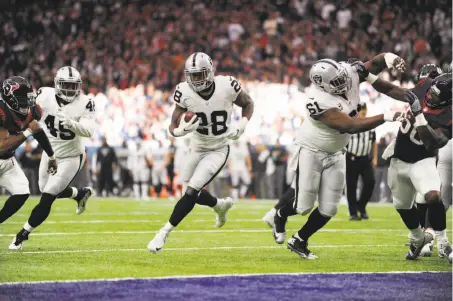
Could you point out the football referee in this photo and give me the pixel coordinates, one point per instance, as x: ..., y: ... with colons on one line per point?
x: 361, y: 154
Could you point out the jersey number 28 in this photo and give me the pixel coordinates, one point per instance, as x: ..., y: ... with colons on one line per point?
x: 60, y: 132
x: 218, y: 120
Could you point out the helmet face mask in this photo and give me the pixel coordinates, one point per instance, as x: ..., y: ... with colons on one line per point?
x: 439, y: 94
x: 199, y: 71
x: 341, y: 83
x: 68, y: 84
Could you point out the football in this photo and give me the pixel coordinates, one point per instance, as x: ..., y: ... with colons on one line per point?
x: 189, y: 116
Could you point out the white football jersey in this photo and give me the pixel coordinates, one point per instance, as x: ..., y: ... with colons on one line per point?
x: 214, y: 113
x: 138, y: 155
x: 65, y: 142
x: 314, y: 134
x: 445, y: 153
x: 238, y: 155
x: 159, y: 157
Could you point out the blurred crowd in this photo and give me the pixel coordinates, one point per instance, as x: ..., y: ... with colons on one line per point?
x: 131, y: 54
x: 123, y: 43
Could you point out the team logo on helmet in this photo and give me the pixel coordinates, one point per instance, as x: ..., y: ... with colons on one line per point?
x: 317, y: 79
x: 9, y: 87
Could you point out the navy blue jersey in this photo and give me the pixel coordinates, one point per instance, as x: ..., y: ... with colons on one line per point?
x: 16, y: 123
x: 409, y: 147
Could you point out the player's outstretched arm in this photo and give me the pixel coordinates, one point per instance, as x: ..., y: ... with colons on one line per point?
x: 341, y: 122
x: 383, y: 86
x: 385, y: 60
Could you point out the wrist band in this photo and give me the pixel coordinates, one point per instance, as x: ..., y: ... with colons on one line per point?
x: 52, y: 157
x: 27, y: 133
x: 371, y: 78
x: 420, y: 120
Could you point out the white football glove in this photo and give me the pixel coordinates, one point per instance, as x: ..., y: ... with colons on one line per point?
x: 237, y: 130
x: 394, y: 62
x: 397, y: 116
x: 65, y: 120
x: 184, y: 127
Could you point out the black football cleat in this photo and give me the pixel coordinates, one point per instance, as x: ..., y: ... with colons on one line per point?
x: 279, y: 229
x: 301, y: 248
x: 364, y: 215
x: 414, y: 250
x: 355, y: 218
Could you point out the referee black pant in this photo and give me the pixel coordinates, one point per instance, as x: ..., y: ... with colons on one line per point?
x: 355, y: 167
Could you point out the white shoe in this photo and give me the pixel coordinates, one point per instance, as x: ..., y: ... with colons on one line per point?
x: 158, y: 241
x: 444, y: 248
x: 268, y: 218
x: 221, y: 209
x: 82, y: 203
x: 16, y: 247
x: 427, y: 250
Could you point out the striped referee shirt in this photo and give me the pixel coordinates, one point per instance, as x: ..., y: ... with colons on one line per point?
x: 361, y: 144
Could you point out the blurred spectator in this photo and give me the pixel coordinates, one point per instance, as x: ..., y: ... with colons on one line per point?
x: 380, y: 174
x: 29, y: 160
x: 279, y: 156
x: 106, y: 162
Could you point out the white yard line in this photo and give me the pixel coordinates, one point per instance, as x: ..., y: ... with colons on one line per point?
x: 214, y: 276
x: 206, y: 231
x: 132, y: 221
x: 186, y: 249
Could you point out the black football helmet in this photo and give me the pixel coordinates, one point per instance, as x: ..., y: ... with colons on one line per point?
x: 440, y: 93
x: 429, y: 70
x: 18, y: 94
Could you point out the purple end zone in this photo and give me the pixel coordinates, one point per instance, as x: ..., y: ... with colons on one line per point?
x: 313, y: 287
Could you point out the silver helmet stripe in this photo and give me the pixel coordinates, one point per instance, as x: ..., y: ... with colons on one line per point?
x: 328, y: 62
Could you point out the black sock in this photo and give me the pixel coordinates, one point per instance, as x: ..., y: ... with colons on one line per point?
x: 12, y: 205
x: 286, y: 198
x: 42, y: 210
x: 315, y: 222
x: 66, y: 194
x: 421, y: 210
x: 206, y: 199
x: 437, y: 216
x: 158, y: 188
x: 286, y: 211
x: 409, y: 217
x: 182, y: 208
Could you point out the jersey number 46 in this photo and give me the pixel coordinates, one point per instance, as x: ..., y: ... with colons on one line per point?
x: 60, y: 132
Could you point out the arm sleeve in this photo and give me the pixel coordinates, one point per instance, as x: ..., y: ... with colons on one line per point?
x: 44, y: 142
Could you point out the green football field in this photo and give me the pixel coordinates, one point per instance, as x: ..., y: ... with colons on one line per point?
x: 109, y: 241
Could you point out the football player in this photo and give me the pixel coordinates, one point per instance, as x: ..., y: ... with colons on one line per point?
x: 68, y: 117
x: 240, y: 166
x: 139, y: 162
x: 376, y: 65
x: 319, y: 160
x: 212, y: 98
x: 413, y: 164
x: 19, y: 116
x: 427, y: 71
x: 160, y: 159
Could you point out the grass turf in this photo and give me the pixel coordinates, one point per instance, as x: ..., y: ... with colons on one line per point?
x: 109, y: 241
